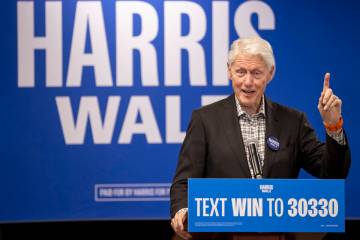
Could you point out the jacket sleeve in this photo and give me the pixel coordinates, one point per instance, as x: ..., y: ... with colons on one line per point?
x: 191, y: 162
x: 323, y: 160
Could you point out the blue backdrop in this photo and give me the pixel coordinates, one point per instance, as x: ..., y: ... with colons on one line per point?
x: 95, y: 96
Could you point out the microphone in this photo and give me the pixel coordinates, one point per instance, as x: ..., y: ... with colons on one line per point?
x: 254, y: 158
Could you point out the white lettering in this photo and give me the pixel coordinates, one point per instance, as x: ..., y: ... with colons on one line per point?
x: 173, y: 120
x: 209, y: 99
x: 89, y: 16
x: 28, y: 43
x: 203, y: 202
x: 242, y: 18
x: 252, y: 207
x: 175, y: 42
x: 220, y: 38
x: 198, y: 207
x: 126, y: 42
x: 238, y: 206
x: 74, y: 131
x: 140, y: 105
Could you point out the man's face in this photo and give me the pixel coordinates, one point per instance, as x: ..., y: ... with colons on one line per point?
x: 249, y: 75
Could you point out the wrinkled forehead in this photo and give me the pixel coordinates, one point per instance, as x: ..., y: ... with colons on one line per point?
x: 249, y: 61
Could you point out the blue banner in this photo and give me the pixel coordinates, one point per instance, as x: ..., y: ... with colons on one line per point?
x: 96, y: 96
x: 267, y: 205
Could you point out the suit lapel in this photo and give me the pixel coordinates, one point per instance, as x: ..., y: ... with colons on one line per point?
x: 233, y: 132
x: 273, y: 129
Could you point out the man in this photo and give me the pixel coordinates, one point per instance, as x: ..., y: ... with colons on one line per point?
x: 217, y: 134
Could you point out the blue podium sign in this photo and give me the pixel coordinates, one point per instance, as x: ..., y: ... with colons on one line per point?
x: 267, y: 205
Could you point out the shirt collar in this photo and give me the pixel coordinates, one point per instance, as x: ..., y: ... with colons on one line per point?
x: 241, y: 112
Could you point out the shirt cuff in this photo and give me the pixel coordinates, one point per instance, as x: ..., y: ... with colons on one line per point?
x: 337, y: 136
x: 182, y: 210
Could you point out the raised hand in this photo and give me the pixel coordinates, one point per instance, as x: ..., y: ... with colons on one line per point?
x: 329, y: 104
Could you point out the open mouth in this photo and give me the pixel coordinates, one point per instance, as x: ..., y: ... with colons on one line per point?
x: 248, y: 92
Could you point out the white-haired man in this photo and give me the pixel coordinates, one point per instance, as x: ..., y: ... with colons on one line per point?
x: 214, y: 144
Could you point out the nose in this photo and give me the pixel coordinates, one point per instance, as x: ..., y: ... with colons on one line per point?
x: 248, y: 81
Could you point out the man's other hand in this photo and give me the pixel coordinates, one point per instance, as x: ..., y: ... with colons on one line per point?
x: 178, y: 223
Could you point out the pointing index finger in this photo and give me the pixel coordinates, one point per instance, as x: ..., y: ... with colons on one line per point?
x: 326, y: 81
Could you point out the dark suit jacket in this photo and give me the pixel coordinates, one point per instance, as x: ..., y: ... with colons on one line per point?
x: 214, y: 148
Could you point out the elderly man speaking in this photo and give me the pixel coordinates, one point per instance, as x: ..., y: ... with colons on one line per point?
x: 217, y: 135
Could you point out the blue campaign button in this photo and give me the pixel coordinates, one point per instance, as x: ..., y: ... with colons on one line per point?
x: 273, y: 143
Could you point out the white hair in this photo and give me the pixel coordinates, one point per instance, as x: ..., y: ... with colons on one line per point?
x: 252, y: 46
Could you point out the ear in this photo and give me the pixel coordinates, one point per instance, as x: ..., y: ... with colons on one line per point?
x: 272, y: 72
x: 228, y: 72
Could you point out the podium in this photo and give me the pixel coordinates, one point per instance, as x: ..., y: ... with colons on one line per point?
x: 265, y: 205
